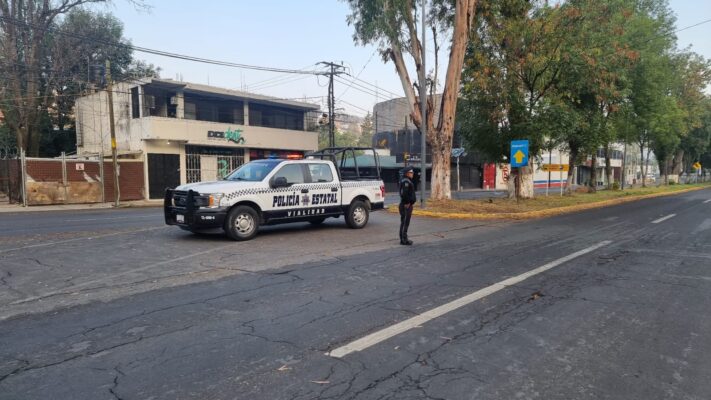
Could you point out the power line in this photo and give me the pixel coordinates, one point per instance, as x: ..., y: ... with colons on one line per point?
x: 17, y: 22
x: 291, y: 79
x: 377, y: 87
x: 692, y: 26
x: 394, y: 124
x: 361, y: 71
x: 365, y: 89
x: 276, y: 78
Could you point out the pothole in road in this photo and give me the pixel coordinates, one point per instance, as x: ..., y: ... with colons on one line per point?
x: 535, y: 296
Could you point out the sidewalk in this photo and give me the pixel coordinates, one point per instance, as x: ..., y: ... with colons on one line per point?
x: 465, y: 194
x: 15, y: 208
x: 390, y: 198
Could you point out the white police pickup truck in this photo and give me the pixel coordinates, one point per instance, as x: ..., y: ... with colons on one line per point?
x: 328, y: 183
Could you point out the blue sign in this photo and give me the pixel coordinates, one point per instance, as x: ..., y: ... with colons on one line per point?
x: 519, y: 153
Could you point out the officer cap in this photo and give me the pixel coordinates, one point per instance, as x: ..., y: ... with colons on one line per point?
x: 407, y: 169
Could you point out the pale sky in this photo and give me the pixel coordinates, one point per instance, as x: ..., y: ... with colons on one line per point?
x: 296, y: 34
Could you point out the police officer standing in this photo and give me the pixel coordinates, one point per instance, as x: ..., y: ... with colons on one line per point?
x: 407, y: 202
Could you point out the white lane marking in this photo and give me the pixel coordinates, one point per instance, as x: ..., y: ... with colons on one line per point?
x: 83, y: 285
x: 81, y: 238
x: 384, y: 334
x: 707, y: 201
x: 109, y: 218
x: 662, y: 219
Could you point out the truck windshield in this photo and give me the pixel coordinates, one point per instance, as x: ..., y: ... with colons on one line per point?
x: 254, y: 171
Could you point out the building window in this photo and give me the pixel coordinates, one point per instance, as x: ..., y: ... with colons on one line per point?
x: 275, y: 117
x: 214, y: 109
x: 190, y: 111
x: 135, y: 105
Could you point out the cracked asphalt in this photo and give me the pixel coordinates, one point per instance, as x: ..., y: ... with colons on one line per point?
x: 111, y: 304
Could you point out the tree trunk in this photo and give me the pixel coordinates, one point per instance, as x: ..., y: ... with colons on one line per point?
x: 442, y: 141
x: 677, y: 162
x: 593, y: 173
x: 571, y: 169
x: 646, y: 168
x: 608, y: 168
x: 511, y: 185
x: 441, y: 172
x: 439, y: 134
x: 526, y: 186
x: 642, y: 165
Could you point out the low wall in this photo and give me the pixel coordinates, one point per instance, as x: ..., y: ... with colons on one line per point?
x: 45, y: 181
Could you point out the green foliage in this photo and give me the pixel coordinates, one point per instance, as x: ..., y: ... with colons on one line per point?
x: 511, y: 67
x: 82, y: 59
x: 367, y: 130
x: 60, y: 53
x: 584, y: 74
x: 7, y: 137
x: 342, y: 139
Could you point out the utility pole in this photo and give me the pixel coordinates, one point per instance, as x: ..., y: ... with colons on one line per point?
x: 335, y: 70
x: 624, y: 171
x: 331, y: 106
x: 112, y: 129
x: 407, y: 142
x: 423, y: 111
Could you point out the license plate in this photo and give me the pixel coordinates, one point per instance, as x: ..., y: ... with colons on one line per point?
x: 180, y: 218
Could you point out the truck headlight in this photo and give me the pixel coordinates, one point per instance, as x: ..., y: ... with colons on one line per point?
x: 214, y: 200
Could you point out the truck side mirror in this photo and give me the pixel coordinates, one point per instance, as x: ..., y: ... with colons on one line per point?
x: 279, y: 181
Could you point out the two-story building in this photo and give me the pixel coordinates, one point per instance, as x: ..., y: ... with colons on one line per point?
x: 187, y: 132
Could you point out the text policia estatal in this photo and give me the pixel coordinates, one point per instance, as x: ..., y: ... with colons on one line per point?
x: 294, y: 199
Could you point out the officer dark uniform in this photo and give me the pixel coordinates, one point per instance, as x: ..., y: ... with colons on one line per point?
x: 407, y: 201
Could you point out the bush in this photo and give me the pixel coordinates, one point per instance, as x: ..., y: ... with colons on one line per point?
x: 616, y: 185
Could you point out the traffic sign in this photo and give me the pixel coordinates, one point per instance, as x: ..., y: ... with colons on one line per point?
x: 519, y: 153
x: 555, y: 167
x: 697, y: 165
x: 459, y: 152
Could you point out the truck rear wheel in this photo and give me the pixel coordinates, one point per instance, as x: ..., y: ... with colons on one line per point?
x: 357, y: 216
x: 242, y: 223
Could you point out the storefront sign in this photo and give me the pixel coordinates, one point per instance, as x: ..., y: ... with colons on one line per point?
x: 555, y: 167
x: 231, y: 135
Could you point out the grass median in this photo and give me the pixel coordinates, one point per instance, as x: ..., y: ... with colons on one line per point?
x: 542, y: 205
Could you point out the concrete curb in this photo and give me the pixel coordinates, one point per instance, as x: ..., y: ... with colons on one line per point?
x: 549, y: 212
x: 16, y: 208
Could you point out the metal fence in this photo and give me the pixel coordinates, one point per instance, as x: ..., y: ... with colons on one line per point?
x: 201, y: 167
x: 11, y: 172
x: 695, y: 177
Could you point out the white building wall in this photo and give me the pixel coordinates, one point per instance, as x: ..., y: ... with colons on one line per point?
x: 131, y: 133
x: 137, y: 137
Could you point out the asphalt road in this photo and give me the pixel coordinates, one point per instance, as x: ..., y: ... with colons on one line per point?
x: 606, y: 304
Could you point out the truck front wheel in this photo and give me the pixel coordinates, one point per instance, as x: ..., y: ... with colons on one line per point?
x: 242, y: 223
x: 357, y: 216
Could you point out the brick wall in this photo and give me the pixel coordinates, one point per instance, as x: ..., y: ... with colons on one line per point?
x: 49, y: 171
x: 131, y: 183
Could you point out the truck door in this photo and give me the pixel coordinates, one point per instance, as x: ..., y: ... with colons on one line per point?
x: 324, y: 190
x: 288, y: 202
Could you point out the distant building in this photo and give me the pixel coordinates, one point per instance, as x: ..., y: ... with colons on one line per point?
x: 395, y: 132
x: 349, y: 124
x: 187, y: 132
